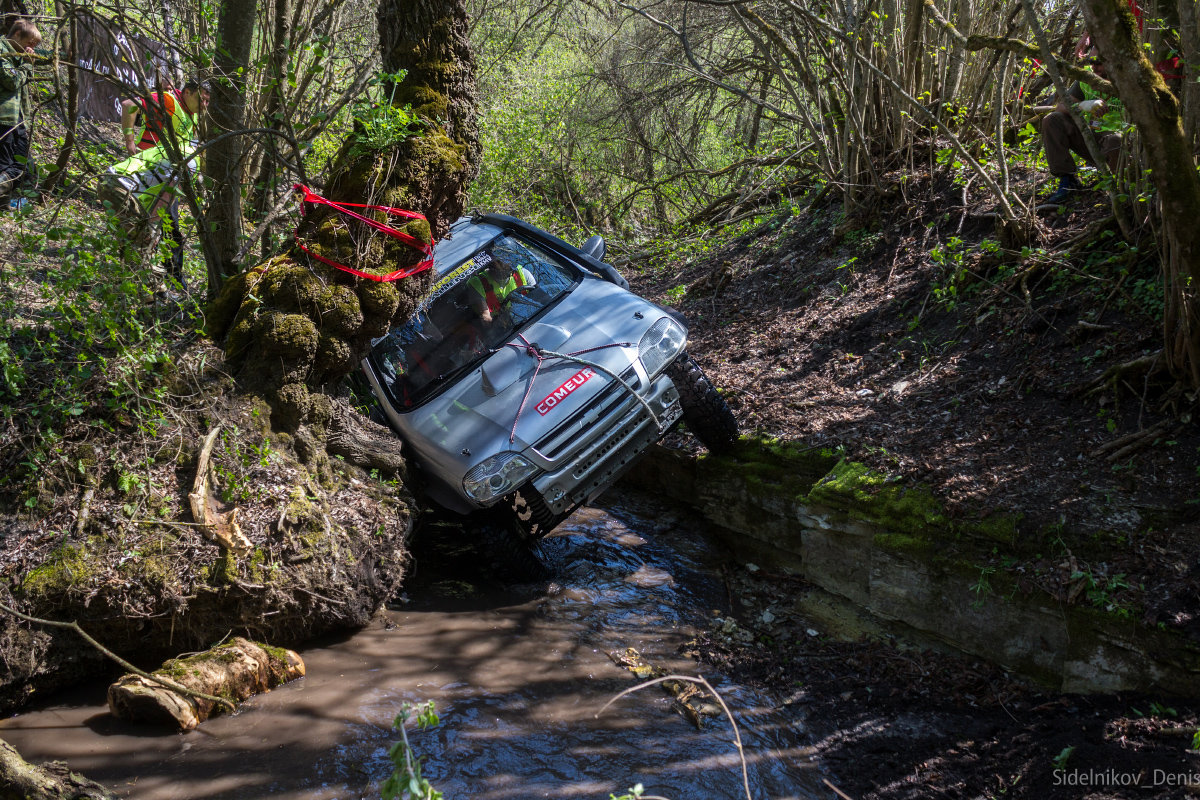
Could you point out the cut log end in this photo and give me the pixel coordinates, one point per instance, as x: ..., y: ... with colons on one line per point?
x: 233, y: 672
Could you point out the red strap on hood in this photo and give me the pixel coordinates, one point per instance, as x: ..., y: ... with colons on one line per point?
x: 315, y: 199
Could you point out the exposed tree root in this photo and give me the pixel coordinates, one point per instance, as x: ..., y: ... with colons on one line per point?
x: 174, y: 686
x: 20, y: 780
x: 1145, y: 367
x: 219, y: 526
x: 1125, y: 446
x: 362, y: 442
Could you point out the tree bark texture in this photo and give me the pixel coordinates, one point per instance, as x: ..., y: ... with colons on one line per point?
x: 1189, y: 42
x: 234, y: 671
x: 20, y: 780
x: 294, y: 324
x: 1155, y: 111
x: 227, y: 112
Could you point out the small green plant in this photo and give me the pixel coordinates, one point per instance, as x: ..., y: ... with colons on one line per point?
x: 380, y: 122
x: 1159, y: 710
x: 982, y: 586
x: 1060, y: 760
x: 406, y: 781
x: 676, y: 294
x: 1100, y: 589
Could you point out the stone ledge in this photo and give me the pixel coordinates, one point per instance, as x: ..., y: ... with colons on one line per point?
x: 887, y: 559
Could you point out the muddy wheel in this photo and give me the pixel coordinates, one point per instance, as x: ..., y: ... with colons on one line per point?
x: 704, y: 410
x: 532, y: 514
x: 512, y: 553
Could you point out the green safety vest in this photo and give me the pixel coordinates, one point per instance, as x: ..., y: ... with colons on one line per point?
x: 148, y: 173
x: 496, y: 294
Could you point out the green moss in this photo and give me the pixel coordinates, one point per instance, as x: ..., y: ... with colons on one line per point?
x: 903, y: 543
x: 853, y: 487
x: 224, y: 570
x: 65, y: 567
x: 290, y: 336
x: 769, y: 466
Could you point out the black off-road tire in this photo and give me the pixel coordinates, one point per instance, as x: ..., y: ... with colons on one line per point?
x: 704, y: 410
x: 532, y: 514
x: 512, y: 553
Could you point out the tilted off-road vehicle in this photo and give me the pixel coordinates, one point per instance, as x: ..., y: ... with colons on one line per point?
x: 531, y: 378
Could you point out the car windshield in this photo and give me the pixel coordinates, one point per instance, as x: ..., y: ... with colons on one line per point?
x: 474, y: 309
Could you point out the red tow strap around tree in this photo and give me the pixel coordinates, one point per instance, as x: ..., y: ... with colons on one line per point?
x: 315, y: 199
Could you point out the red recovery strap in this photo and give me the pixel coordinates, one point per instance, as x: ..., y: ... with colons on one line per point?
x: 411, y: 241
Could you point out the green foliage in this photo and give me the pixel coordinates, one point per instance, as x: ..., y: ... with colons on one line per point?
x: 406, y: 781
x: 379, y: 123
x: 982, y: 587
x: 1060, y: 760
x: 675, y: 294
x: 1102, y: 590
x: 85, y: 342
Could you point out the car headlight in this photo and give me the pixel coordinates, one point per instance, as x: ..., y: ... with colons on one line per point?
x: 497, y: 476
x: 659, y: 345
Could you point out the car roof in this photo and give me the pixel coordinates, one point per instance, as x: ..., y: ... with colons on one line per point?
x: 461, y: 242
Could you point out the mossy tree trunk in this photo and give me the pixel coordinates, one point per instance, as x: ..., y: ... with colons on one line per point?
x: 294, y: 325
x: 1156, y: 112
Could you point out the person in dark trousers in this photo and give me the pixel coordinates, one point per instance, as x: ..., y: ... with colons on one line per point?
x: 16, y: 75
x: 1061, y: 136
x: 144, y: 121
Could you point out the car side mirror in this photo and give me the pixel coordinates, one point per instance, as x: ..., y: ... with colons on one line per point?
x: 594, y: 247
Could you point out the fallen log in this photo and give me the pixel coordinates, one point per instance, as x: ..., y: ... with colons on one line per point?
x: 20, y: 780
x: 233, y: 671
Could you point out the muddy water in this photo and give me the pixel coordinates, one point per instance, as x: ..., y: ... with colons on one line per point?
x: 518, y: 675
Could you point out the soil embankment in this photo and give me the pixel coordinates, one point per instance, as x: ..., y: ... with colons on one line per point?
x: 107, y: 540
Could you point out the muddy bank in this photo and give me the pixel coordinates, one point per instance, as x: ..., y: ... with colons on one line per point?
x: 518, y: 673
x: 106, y: 538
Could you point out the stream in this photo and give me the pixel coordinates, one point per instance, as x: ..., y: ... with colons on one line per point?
x: 519, y: 676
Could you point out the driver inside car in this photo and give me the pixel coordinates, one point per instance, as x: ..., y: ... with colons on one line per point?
x: 492, y: 288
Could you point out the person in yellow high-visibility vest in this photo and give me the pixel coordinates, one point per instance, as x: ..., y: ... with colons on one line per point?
x: 490, y: 289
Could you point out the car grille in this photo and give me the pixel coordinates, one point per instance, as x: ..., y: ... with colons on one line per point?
x: 592, y: 421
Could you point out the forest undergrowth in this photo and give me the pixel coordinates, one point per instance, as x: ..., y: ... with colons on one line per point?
x: 1005, y: 381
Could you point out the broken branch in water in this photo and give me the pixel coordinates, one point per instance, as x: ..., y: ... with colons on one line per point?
x: 699, y: 680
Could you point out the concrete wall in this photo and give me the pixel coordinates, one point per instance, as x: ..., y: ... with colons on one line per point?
x: 882, y: 560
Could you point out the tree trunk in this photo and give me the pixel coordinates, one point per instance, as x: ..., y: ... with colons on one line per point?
x: 227, y: 112
x: 55, y: 180
x: 1155, y: 111
x: 1189, y: 41
x: 293, y: 324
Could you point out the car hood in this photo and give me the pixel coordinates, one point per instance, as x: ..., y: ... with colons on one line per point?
x: 522, y: 392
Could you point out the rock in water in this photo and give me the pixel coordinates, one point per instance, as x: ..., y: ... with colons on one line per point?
x: 234, y: 671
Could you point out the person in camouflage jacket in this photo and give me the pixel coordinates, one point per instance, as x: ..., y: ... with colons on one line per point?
x: 16, y: 76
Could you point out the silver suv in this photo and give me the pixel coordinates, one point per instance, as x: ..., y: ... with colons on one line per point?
x: 531, y: 377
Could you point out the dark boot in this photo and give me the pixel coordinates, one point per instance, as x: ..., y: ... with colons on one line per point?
x: 1068, y: 185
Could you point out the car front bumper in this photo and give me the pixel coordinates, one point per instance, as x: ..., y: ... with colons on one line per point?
x: 589, y: 452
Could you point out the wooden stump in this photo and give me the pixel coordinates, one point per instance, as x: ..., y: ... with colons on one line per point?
x: 233, y: 671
